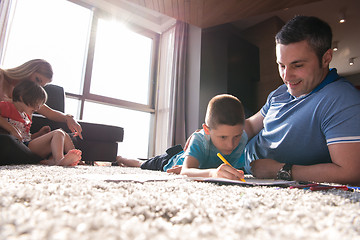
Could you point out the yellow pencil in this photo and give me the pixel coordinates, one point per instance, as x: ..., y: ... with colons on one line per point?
x: 226, y: 162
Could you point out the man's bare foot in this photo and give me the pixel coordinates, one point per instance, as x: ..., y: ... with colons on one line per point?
x: 127, y: 162
x: 72, y: 158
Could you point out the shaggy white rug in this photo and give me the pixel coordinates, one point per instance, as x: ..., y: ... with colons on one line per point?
x: 42, y: 202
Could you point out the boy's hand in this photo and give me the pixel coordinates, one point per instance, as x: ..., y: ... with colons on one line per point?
x: 175, y: 169
x: 226, y: 171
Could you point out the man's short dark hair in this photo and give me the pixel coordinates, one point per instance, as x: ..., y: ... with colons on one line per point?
x: 317, y: 32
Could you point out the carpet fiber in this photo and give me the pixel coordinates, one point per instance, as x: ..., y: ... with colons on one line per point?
x: 42, y: 202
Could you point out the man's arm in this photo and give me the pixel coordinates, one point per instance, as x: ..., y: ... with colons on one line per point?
x: 344, y: 169
x: 345, y: 166
x: 254, y: 124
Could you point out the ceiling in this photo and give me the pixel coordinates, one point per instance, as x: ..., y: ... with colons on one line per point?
x: 209, y: 13
x: 247, y: 13
x: 346, y: 34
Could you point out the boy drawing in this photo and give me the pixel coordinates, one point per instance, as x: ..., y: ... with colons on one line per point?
x: 223, y: 132
x: 28, y: 97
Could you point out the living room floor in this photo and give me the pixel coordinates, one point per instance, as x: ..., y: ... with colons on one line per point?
x: 52, y: 202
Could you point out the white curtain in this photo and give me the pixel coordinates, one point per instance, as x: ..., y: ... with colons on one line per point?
x: 170, y: 115
x: 177, y: 133
x: 5, y: 12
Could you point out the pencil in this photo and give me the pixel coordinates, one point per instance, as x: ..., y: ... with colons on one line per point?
x: 226, y: 162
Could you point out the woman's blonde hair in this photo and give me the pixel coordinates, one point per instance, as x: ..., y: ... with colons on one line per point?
x: 25, y: 70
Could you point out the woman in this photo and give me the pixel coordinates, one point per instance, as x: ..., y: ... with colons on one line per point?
x: 39, y: 71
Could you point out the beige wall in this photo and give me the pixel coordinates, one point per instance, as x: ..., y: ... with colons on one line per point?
x: 263, y: 36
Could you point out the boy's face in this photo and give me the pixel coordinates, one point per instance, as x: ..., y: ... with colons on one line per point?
x: 28, y: 109
x: 225, y: 137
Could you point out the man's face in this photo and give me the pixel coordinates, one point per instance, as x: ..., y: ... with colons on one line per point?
x: 225, y: 137
x: 299, y: 67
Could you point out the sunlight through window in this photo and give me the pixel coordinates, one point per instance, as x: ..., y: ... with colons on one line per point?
x: 136, y: 126
x: 43, y: 32
x: 121, y: 66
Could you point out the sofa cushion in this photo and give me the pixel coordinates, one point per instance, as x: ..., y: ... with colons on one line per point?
x: 97, y: 150
x: 13, y: 151
x: 56, y: 97
x: 91, y: 131
x: 100, y: 141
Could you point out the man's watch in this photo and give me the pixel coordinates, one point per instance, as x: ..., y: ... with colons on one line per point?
x: 285, y: 172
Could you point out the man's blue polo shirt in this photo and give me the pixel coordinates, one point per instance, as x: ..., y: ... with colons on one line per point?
x: 299, y: 130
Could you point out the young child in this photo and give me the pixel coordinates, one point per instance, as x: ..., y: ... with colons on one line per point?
x: 223, y: 132
x: 28, y: 97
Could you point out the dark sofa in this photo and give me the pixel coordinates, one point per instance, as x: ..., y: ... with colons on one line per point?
x: 100, y: 142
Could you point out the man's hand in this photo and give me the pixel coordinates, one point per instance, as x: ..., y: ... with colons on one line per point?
x: 226, y: 171
x: 265, y: 168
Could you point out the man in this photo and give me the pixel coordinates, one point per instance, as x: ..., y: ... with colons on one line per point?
x: 309, y: 128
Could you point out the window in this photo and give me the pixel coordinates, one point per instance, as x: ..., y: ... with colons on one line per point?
x: 122, y: 56
x: 108, y: 73
x: 60, y: 40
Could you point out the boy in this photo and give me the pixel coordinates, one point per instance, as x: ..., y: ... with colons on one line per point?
x: 223, y: 132
x: 28, y: 97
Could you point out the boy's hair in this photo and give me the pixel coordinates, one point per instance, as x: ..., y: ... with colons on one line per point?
x: 224, y: 109
x: 317, y: 33
x: 30, y: 93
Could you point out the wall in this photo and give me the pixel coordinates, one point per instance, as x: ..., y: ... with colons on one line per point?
x: 263, y: 36
x: 213, y: 71
x: 354, y: 79
x: 200, y: 92
x: 243, y: 72
x: 228, y: 63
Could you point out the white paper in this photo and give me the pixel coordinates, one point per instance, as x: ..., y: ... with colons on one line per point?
x: 249, y: 181
x: 141, y: 178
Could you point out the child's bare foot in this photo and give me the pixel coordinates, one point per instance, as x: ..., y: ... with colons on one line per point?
x: 72, y: 158
x: 127, y: 162
x: 44, y: 130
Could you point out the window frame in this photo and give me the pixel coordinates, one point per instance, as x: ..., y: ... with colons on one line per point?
x: 100, y: 11
x: 87, y: 96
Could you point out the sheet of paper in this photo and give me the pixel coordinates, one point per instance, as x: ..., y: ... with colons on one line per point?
x: 249, y: 181
x: 141, y: 178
